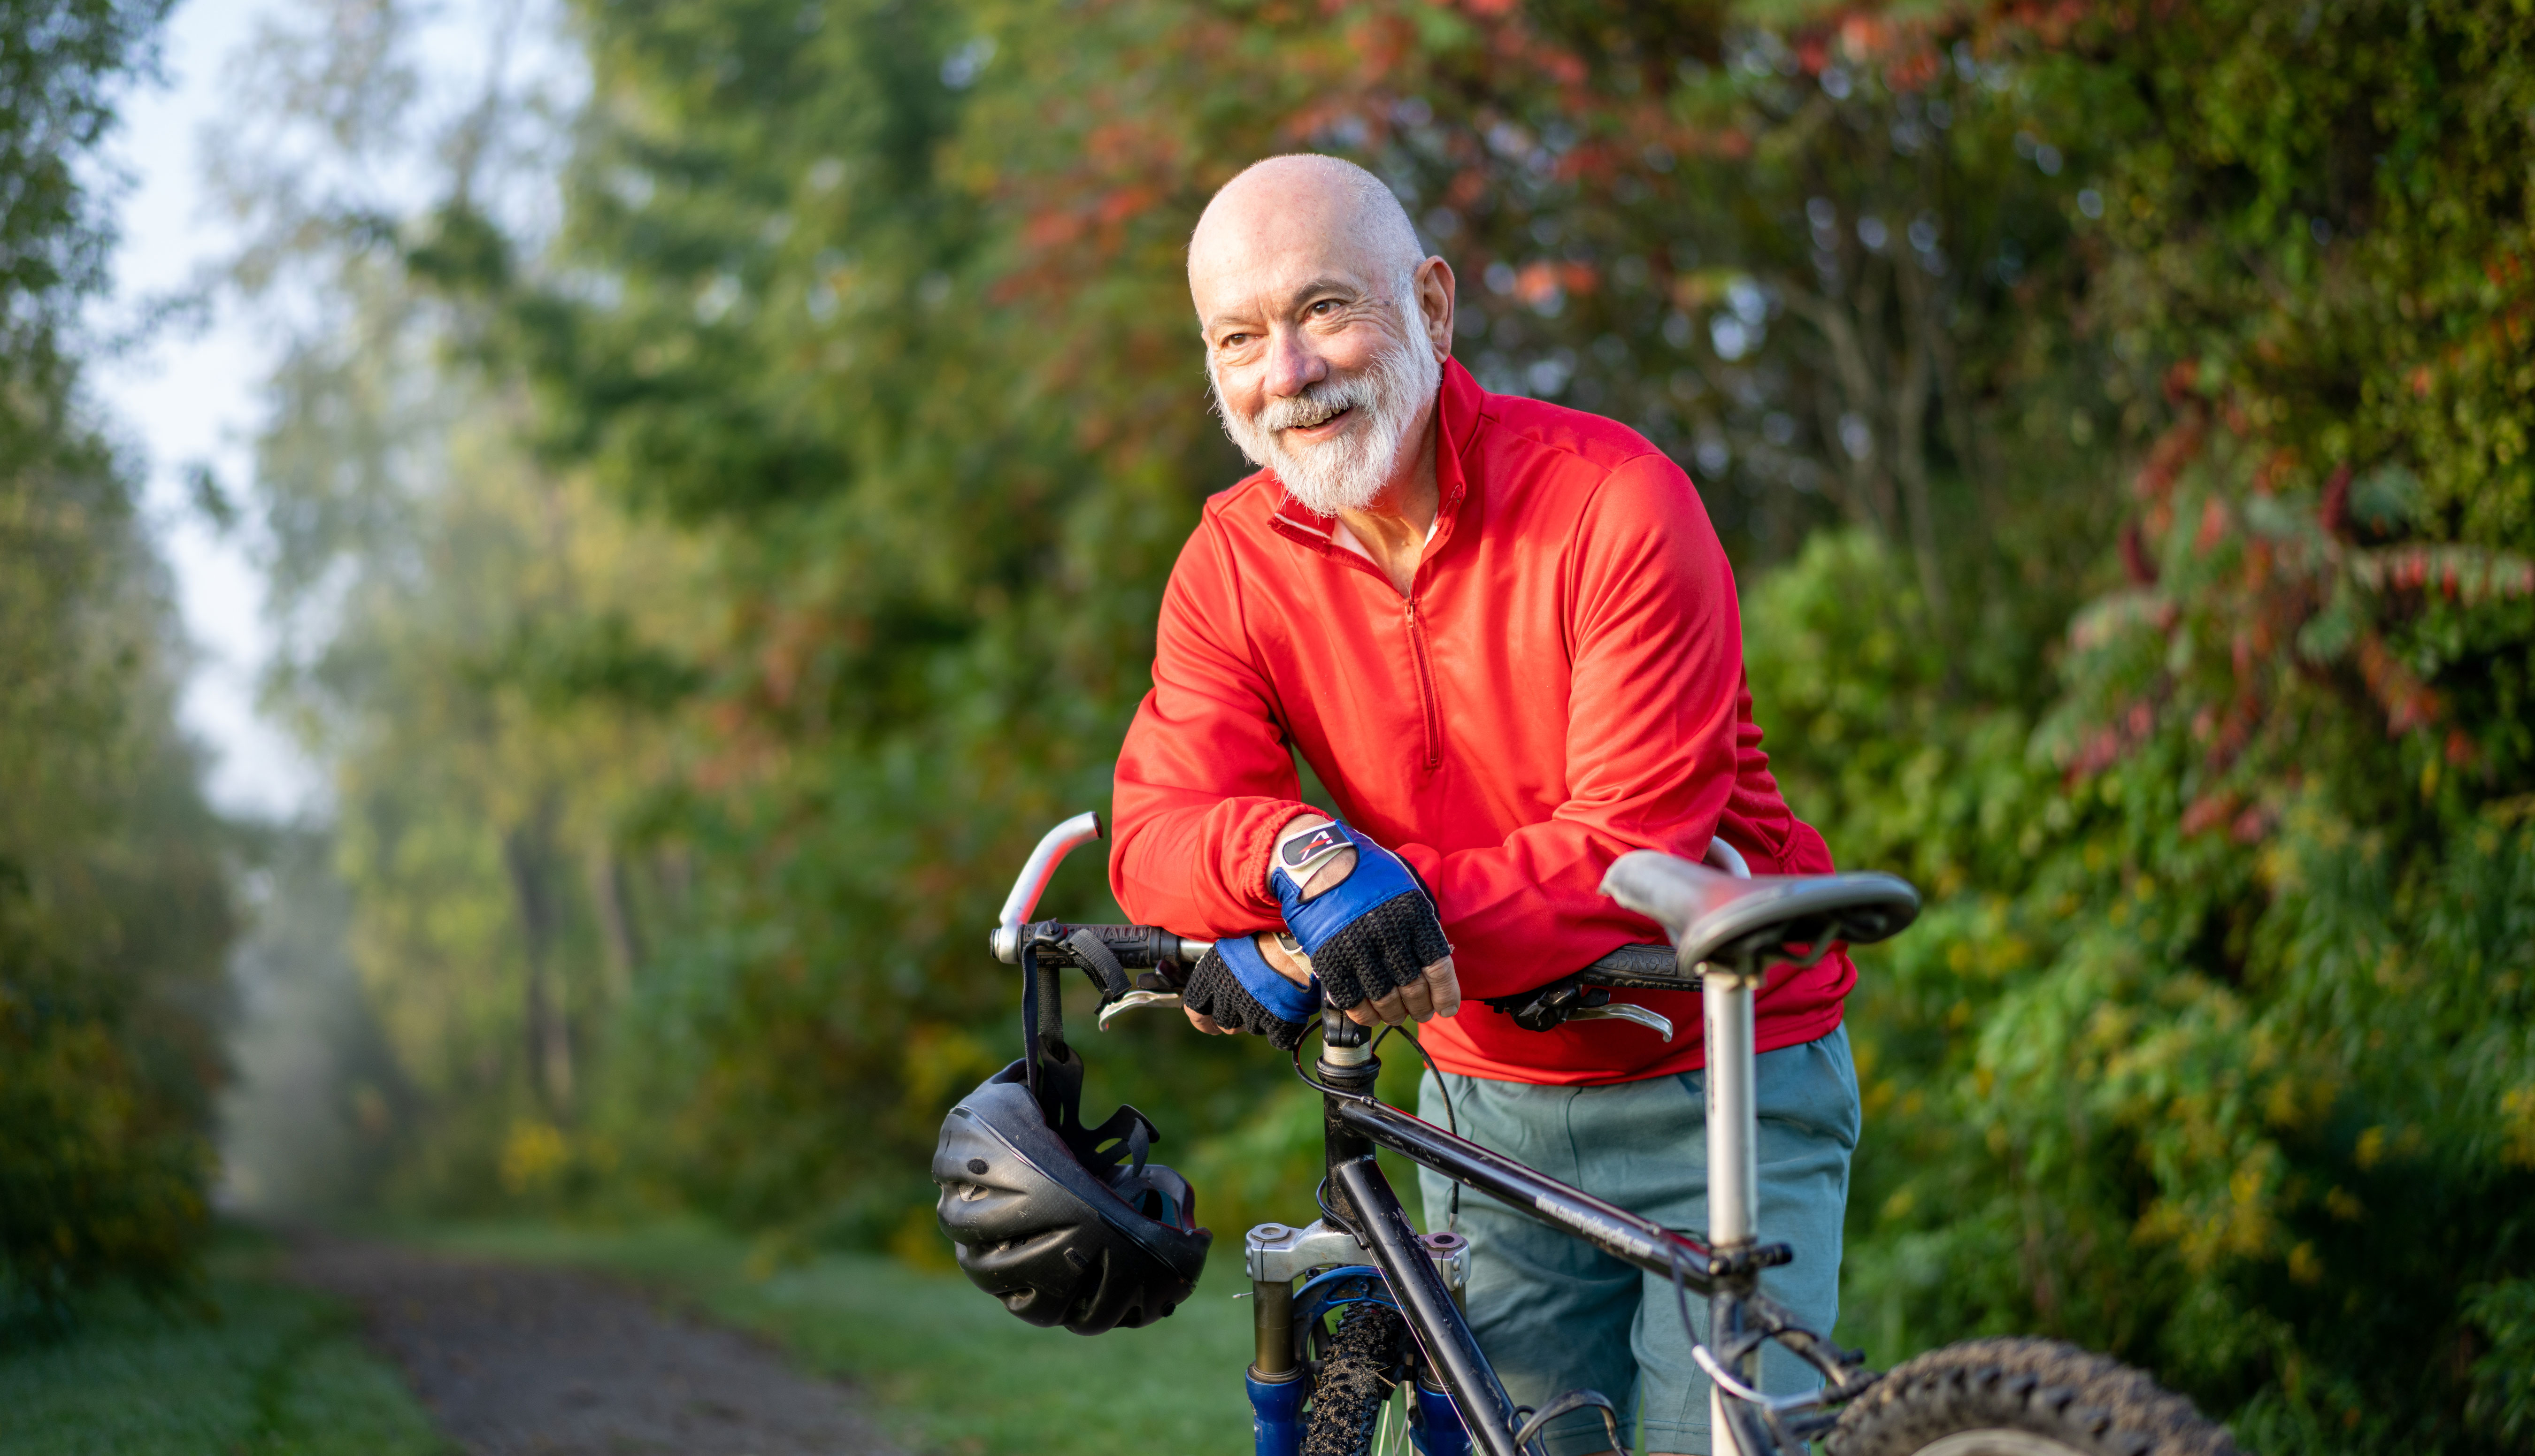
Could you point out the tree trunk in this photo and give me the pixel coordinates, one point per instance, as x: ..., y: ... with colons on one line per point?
x: 1910, y: 464
x: 615, y: 925
x: 526, y: 853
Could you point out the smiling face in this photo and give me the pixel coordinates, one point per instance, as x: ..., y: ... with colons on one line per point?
x: 1325, y: 329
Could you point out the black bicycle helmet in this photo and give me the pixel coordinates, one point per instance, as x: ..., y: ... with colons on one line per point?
x: 1065, y: 1224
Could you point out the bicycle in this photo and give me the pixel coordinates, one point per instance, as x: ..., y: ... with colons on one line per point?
x: 1357, y: 1306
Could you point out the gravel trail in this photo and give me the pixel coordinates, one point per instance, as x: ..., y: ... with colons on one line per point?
x: 514, y: 1360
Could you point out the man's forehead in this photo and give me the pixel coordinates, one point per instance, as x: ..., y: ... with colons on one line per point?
x: 1271, y: 267
x: 1274, y: 232
x: 1274, y: 278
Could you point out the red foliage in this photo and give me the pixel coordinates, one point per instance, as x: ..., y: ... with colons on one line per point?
x: 2208, y: 810
x: 1914, y: 71
x: 2181, y: 380
x: 2106, y: 744
x: 2334, y: 513
x: 1536, y: 284
x: 2255, y: 822
x: 2135, y: 558
x: 2177, y: 448
x: 2213, y: 525
x: 2408, y: 701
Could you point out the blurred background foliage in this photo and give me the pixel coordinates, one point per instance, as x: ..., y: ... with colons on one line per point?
x: 723, y: 530
x: 116, y: 891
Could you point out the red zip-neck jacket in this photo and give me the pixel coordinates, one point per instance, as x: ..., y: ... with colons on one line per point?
x: 1563, y: 685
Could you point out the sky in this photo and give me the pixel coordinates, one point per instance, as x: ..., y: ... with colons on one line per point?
x: 190, y: 394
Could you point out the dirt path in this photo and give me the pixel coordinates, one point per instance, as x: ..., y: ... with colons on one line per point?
x: 524, y: 1362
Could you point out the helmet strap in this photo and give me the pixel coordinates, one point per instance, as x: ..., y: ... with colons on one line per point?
x: 1043, y: 1039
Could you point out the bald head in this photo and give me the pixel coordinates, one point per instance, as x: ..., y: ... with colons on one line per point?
x: 1301, y: 214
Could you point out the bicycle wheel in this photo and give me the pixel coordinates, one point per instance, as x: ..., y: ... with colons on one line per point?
x: 1355, y: 1382
x: 2022, y: 1397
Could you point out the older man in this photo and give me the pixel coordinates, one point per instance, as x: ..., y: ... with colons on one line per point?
x: 1503, y: 635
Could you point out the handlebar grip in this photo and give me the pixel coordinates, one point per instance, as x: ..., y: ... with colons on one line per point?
x: 1138, y: 947
x: 1639, y: 962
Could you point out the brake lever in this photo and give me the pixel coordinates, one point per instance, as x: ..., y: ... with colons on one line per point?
x: 1135, y: 1000
x: 1154, y: 987
x: 1654, y: 1020
x: 1571, y: 998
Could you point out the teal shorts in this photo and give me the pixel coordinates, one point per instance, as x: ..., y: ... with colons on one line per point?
x: 1554, y: 1313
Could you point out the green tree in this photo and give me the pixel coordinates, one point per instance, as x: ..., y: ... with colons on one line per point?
x: 114, y: 891
x: 2215, y: 1054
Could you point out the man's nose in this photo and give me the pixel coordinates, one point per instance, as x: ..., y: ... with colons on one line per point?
x: 1294, y: 365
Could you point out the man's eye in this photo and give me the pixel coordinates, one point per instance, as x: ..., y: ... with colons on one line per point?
x: 1324, y: 307
x: 1232, y: 340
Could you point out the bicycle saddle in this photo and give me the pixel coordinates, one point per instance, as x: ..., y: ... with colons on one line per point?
x: 1715, y: 917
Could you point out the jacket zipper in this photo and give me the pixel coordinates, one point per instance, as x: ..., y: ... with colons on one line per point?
x: 1426, y: 706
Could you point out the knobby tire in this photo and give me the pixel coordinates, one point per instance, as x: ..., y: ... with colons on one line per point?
x: 1355, y: 1381
x: 2023, y: 1397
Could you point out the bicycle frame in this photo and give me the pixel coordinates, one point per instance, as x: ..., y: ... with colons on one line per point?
x: 1422, y: 1273
x: 1457, y: 1401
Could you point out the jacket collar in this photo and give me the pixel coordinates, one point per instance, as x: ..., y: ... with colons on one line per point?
x: 1457, y: 406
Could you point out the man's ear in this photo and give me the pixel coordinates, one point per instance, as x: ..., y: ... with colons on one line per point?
x: 1435, y: 288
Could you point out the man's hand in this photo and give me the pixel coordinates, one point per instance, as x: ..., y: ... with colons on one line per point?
x: 1364, y: 924
x: 1436, y: 991
x: 1234, y: 989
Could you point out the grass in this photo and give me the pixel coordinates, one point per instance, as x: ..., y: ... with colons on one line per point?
x: 947, y: 1369
x: 273, y: 1371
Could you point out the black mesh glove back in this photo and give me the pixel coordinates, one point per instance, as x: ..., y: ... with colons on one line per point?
x: 1065, y: 1224
x: 1234, y: 984
x: 1387, y: 947
x: 1371, y: 934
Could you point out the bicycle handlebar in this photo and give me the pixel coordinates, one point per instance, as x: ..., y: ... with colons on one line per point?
x: 1163, y: 958
x: 1159, y: 954
x: 1146, y: 947
x: 1137, y: 947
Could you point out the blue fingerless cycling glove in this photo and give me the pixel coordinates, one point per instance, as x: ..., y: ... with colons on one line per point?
x: 1234, y: 983
x: 1374, y: 932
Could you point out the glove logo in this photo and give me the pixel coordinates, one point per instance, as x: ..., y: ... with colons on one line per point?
x: 1299, y: 850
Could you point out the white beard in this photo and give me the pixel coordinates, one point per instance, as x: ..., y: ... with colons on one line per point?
x: 1350, y: 472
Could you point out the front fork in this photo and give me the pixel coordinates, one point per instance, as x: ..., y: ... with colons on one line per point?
x: 1424, y: 1275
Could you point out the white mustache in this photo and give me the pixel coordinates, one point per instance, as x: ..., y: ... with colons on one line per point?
x: 1317, y: 403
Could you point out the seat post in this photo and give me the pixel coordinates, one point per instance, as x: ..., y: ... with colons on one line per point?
x: 1733, y: 1126
x: 1733, y: 1162
x: 1733, y: 1123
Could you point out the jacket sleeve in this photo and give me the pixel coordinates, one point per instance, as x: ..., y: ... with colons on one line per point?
x: 1655, y: 699
x: 1205, y: 777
